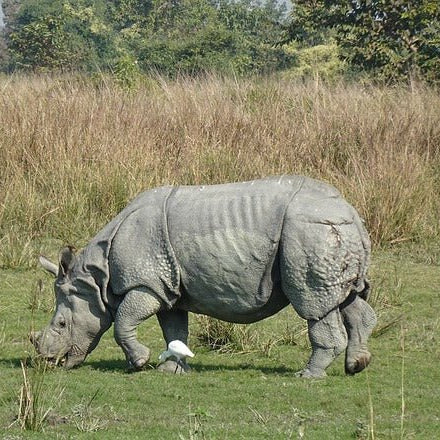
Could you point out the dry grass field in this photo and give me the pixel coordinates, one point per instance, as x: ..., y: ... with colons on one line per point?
x: 73, y: 151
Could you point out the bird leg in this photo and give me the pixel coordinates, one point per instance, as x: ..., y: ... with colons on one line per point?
x: 179, y: 363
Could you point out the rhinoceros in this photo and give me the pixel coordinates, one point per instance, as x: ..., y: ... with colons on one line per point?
x: 239, y: 252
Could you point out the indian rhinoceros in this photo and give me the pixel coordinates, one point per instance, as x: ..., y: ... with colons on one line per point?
x: 239, y: 252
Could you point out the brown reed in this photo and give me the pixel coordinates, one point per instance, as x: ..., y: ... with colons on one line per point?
x: 73, y: 151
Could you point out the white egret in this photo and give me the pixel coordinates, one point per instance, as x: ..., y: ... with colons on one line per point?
x: 177, y: 349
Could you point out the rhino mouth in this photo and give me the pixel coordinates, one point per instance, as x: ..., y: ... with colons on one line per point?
x: 57, y: 361
x: 73, y: 357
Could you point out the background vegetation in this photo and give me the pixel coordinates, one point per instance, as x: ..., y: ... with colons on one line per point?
x: 73, y: 152
x: 384, y: 41
x: 172, y: 37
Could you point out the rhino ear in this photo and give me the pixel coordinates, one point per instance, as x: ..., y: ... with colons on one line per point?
x: 48, y: 265
x: 67, y: 260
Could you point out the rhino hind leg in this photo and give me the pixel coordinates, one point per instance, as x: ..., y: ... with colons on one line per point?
x: 359, y: 320
x: 137, y: 305
x: 174, y: 325
x: 328, y: 338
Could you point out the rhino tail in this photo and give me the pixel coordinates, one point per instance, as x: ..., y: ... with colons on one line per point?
x: 364, y: 291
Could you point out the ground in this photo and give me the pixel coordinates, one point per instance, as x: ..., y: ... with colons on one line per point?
x: 251, y: 395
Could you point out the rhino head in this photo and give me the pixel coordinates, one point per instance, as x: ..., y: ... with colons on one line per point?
x: 80, y: 317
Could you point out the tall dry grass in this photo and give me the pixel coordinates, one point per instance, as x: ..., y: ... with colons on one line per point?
x: 72, y: 153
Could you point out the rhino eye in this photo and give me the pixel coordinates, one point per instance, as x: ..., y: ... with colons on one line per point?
x: 62, y: 323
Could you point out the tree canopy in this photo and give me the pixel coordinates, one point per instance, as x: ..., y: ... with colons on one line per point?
x: 169, y: 36
x: 390, y: 39
x: 387, y: 40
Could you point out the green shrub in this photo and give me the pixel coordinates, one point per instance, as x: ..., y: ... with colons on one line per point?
x: 322, y: 61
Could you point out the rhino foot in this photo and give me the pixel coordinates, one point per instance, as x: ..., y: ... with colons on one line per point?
x: 355, y: 364
x: 171, y: 366
x: 138, y: 364
x: 138, y: 360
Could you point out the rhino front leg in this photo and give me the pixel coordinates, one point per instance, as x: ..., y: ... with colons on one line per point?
x: 328, y: 338
x: 359, y: 320
x: 174, y: 324
x: 137, y: 305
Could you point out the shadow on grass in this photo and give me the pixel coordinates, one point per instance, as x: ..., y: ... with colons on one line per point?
x: 12, y: 362
x: 244, y: 366
x: 107, y: 364
x: 121, y: 366
x: 104, y: 365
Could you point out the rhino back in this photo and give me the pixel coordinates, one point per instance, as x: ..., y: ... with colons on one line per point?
x: 225, y: 238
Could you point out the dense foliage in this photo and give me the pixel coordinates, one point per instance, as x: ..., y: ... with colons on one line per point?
x: 169, y: 36
x: 390, y: 39
x: 387, y: 40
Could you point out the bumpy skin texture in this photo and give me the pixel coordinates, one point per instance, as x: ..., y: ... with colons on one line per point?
x: 238, y: 252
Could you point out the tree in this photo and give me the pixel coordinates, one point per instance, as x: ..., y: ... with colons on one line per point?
x: 40, y: 44
x: 391, y: 39
x: 193, y: 36
x: 168, y: 36
x: 48, y: 35
x: 128, y: 13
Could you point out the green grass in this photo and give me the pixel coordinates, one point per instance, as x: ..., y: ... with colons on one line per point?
x: 239, y: 396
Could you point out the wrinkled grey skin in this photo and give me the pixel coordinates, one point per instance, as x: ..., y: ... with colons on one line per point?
x: 239, y: 252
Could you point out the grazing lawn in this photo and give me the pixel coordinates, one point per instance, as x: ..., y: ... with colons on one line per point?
x: 252, y: 394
